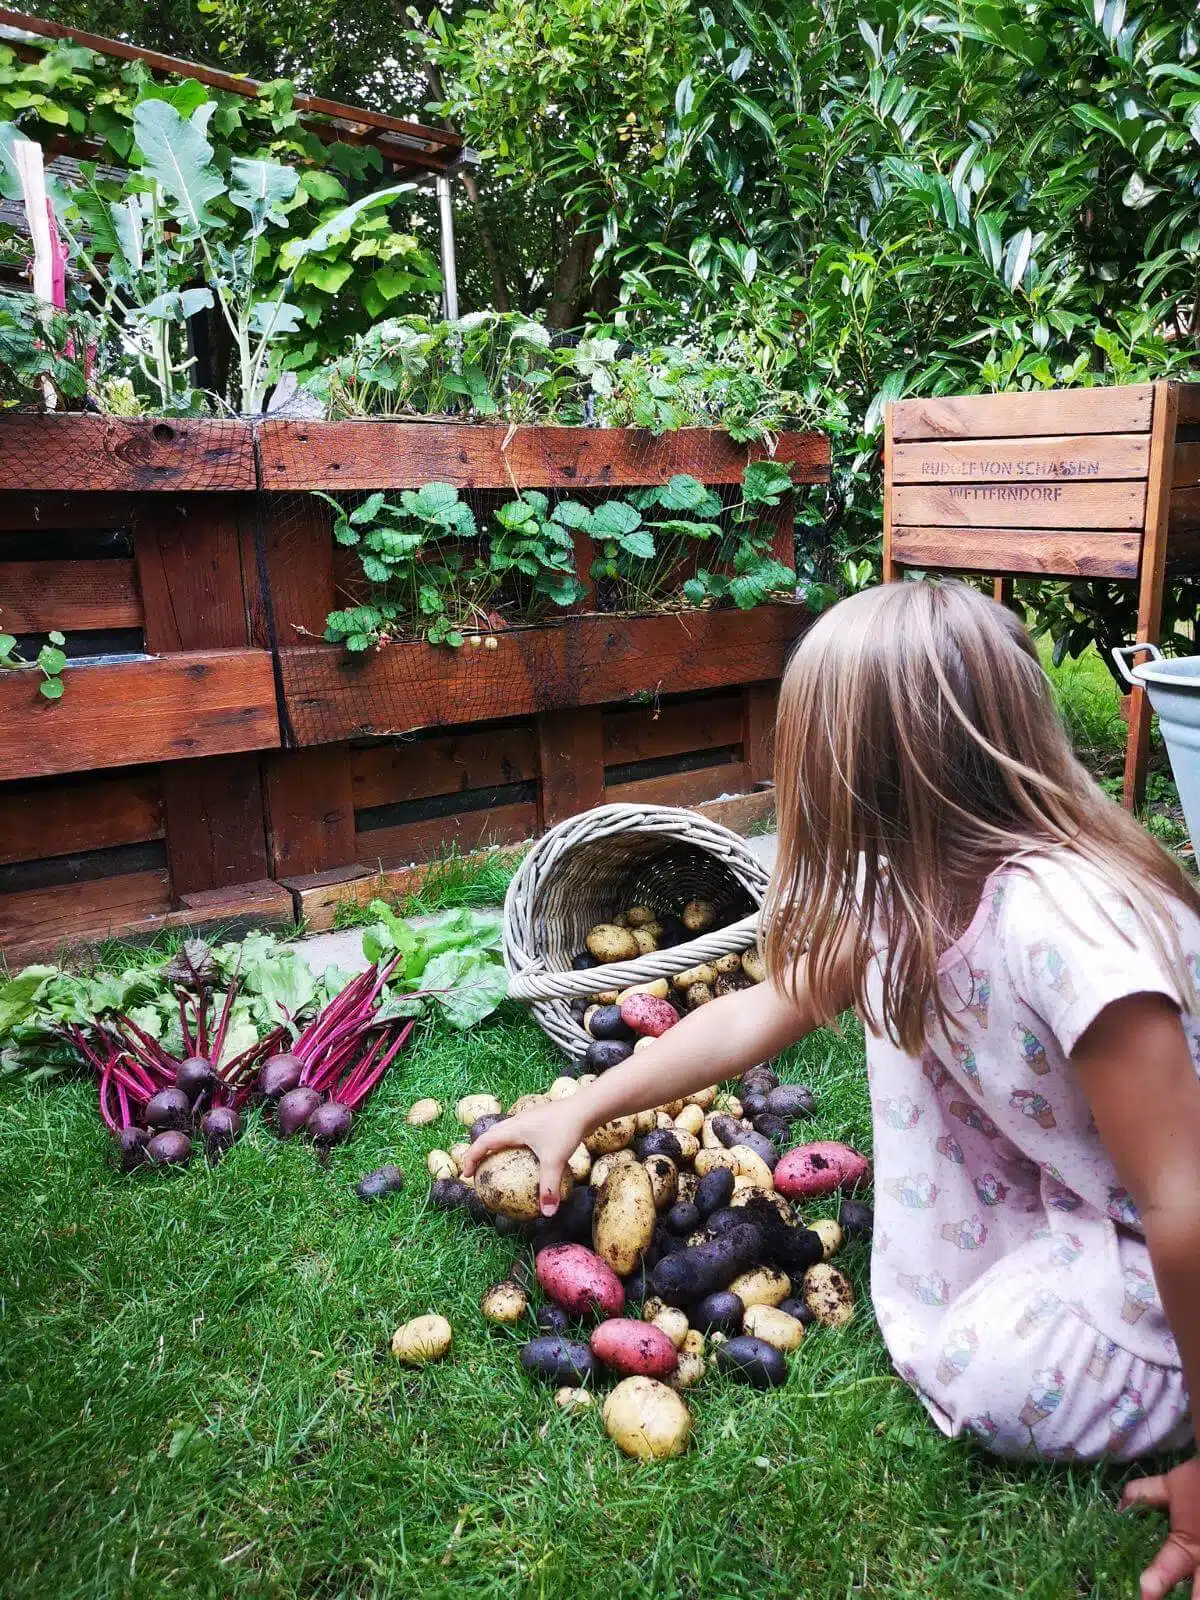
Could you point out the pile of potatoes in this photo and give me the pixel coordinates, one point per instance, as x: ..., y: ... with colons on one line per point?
x: 620, y: 1021
x: 678, y: 1241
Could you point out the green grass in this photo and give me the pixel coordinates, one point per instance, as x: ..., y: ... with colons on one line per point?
x: 197, y: 1398
x: 451, y: 881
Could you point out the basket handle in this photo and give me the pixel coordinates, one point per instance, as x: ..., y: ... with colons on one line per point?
x: 535, y: 983
x: 1123, y: 654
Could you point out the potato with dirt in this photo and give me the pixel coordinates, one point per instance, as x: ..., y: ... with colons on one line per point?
x: 623, y: 1225
x: 647, y: 1420
x: 508, y: 1183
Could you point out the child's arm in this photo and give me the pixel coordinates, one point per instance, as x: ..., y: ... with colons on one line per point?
x: 1141, y: 1083
x: 720, y: 1040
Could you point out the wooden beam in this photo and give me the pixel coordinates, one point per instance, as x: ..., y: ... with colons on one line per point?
x: 464, y: 831
x: 570, y: 764
x: 75, y: 451
x: 310, y: 810
x: 48, y: 818
x: 681, y: 788
x: 645, y: 733
x: 1071, y: 458
x: 760, y: 704
x: 1150, y: 584
x: 196, y: 703
x: 214, y: 814
x: 190, y: 570
x: 1086, y: 506
x: 588, y: 660
x: 396, y: 455
x: 1015, y: 550
x: 1004, y: 416
x: 415, y: 769
x: 72, y: 596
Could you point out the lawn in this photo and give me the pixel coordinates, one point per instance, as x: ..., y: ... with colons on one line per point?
x: 198, y: 1399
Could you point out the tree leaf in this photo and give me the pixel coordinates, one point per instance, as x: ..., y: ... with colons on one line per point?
x: 178, y: 156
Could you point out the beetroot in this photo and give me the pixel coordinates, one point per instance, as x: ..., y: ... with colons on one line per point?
x: 131, y: 1147
x: 279, y: 1075
x: 170, y: 1149
x: 295, y: 1108
x: 169, y: 1108
x: 194, y: 1076
x: 330, y: 1124
x: 220, y: 1128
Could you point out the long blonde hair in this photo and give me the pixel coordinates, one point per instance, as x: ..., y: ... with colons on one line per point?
x: 919, y: 748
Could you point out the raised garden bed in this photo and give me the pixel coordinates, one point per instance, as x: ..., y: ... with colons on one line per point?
x: 215, y: 759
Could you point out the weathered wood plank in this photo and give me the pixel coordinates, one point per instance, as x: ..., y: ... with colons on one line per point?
x: 570, y: 764
x: 465, y: 831
x: 214, y: 817
x: 646, y: 733
x: 1188, y: 403
x: 298, y: 551
x: 394, y: 455
x: 389, y: 774
x: 760, y: 704
x: 1151, y: 579
x: 681, y: 788
x: 189, y: 561
x: 589, y: 660
x: 1071, y: 458
x: 45, y: 818
x: 42, y: 922
x: 1018, y: 505
x: 22, y: 512
x: 77, y: 451
x: 1014, y: 550
x: 996, y: 416
x: 1185, y: 472
x: 197, y: 703
x: 310, y: 810
x: 1184, y: 516
x: 73, y: 596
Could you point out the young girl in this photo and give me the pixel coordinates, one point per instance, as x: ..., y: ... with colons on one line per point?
x: 1025, y: 961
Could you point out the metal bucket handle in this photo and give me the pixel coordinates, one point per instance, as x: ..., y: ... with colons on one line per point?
x: 1123, y: 653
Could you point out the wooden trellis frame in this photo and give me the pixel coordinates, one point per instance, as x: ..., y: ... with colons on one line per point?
x: 1080, y: 483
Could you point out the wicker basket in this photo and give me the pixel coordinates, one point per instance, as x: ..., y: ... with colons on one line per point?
x: 591, y: 867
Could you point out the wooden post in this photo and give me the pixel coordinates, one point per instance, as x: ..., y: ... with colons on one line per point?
x: 760, y: 702
x: 888, y: 572
x: 1150, y: 579
x: 310, y: 810
x: 570, y: 764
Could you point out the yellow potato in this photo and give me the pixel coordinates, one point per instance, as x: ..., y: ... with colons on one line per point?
x: 708, y: 1159
x: 643, y: 1044
x: 774, y: 1326
x: 473, y: 1106
x: 751, y: 1165
x: 653, y: 1307
x: 691, y: 1120
x: 703, y: 1098
x: 688, y: 1143
x: 458, y: 1153
x: 610, y: 942
x: 508, y: 1182
x: 609, y: 1136
x: 699, y: 994
x: 674, y: 1324
x: 527, y: 1103
x: 830, y: 1234
x: 421, y: 1340
x: 708, y: 1135
x: 698, y: 916
x: 704, y: 973
x: 647, y: 1420
x: 754, y: 966
x: 567, y: 1399
x: 761, y: 1286
x: 729, y: 1104
x: 672, y: 1108
x: 729, y: 963
x: 644, y: 1122
x: 828, y: 1295
x: 563, y: 1088
x: 639, y: 916
x: 580, y: 1163
x: 646, y: 942
x: 658, y: 989
x: 422, y: 1112
x: 504, y: 1302
x: 686, y: 1189
x: 441, y: 1164
x: 603, y: 1165
x: 664, y: 1180
x: 624, y: 1218
x: 692, y: 1365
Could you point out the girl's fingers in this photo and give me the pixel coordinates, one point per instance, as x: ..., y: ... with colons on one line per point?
x: 551, y: 1177
x: 1171, y: 1565
x: 497, y: 1137
x: 1146, y: 1492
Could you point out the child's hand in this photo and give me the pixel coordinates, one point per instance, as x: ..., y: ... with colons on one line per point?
x: 1178, y: 1493
x: 551, y: 1132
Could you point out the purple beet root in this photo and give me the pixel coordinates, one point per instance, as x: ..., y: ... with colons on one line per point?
x: 220, y: 1128
x: 295, y: 1108
x: 330, y: 1124
x: 170, y: 1149
x: 195, y: 1076
x: 131, y: 1147
x: 279, y: 1075
x: 169, y: 1108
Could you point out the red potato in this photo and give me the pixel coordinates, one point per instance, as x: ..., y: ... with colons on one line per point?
x: 811, y: 1170
x: 634, y: 1349
x: 648, y: 1016
x: 579, y: 1281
